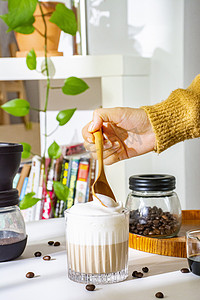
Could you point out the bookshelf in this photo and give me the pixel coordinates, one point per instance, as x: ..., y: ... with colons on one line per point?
x: 123, y: 80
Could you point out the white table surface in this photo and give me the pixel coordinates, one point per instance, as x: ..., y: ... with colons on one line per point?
x: 51, y: 281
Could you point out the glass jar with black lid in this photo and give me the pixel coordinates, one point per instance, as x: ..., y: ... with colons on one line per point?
x: 155, y: 210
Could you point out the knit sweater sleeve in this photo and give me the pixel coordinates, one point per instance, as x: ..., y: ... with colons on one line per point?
x: 177, y: 118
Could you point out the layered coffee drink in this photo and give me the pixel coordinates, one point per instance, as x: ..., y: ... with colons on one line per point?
x: 97, y: 241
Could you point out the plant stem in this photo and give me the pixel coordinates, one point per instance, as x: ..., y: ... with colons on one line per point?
x: 53, y: 130
x: 55, y: 87
x: 48, y: 79
x: 40, y: 33
x: 46, y: 102
x: 36, y: 109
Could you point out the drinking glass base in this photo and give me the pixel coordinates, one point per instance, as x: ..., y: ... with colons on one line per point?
x: 103, y: 278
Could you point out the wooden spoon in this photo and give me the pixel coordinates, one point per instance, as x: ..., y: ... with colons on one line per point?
x: 101, y: 185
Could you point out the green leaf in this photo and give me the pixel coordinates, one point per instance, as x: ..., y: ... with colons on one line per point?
x: 64, y: 116
x: 51, y: 67
x: 20, y: 14
x: 61, y: 190
x: 27, y: 28
x: 31, y: 61
x: 26, y: 150
x: 22, y: 6
x: 17, y: 107
x: 74, y: 86
x: 65, y: 19
x: 54, y: 150
x: 28, y: 201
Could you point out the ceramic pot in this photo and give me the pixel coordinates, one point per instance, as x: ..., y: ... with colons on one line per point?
x: 35, y: 41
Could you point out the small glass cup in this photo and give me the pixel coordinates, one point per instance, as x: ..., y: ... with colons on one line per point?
x: 193, y: 250
x: 97, y: 247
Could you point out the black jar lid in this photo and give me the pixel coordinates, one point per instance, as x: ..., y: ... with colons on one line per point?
x: 10, y: 147
x: 9, y: 198
x: 152, y: 182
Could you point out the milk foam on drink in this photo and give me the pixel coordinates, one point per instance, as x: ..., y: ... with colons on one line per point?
x: 97, y: 237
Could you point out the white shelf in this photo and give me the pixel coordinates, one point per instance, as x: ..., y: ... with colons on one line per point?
x: 80, y: 66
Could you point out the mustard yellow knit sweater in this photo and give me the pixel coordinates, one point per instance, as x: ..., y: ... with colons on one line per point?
x: 177, y: 118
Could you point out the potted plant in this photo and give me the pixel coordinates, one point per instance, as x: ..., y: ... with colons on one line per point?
x: 20, y: 18
x: 35, y: 39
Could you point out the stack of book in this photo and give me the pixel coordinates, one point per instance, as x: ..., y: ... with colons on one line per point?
x: 75, y: 169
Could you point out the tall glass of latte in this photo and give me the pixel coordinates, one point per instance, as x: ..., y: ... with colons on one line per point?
x: 97, y: 241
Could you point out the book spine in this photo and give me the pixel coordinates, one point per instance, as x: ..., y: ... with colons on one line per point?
x: 58, y: 168
x: 72, y: 182
x: 92, y: 174
x: 44, y: 189
x: 64, y: 178
x: 24, y: 173
x: 48, y: 192
x: 36, y: 186
x: 24, y: 187
x: 57, y: 176
x: 27, y: 213
x: 40, y: 188
x: 82, y: 181
x: 15, y: 180
x: 65, y: 171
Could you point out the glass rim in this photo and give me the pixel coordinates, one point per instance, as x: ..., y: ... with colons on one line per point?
x: 125, y: 211
x: 192, y: 231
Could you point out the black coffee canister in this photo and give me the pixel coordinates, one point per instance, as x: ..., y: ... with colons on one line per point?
x: 10, y: 157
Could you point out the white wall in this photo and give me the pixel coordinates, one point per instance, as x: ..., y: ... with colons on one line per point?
x: 191, y: 69
x: 162, y: 39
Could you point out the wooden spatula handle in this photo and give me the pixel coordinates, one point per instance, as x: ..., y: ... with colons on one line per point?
x: 99, y: 148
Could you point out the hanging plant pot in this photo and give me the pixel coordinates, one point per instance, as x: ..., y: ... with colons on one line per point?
x: 35, y: 40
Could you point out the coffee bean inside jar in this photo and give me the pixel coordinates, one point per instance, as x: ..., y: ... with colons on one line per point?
x: 155, y: 209
x: 155, y: 222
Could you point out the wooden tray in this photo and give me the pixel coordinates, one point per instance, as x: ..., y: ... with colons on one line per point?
x: 175, y: 246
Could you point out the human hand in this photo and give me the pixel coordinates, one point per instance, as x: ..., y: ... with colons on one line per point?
x: 127, y: 133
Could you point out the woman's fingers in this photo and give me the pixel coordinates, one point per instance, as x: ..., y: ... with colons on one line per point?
x: 92, y: 148
x: 109, y: 150
x: 88, y: 136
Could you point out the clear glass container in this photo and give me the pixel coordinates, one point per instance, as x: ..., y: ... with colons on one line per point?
x: 155, y: 210
x: 12, y: 233
x: 97, y: 247
x: 193, y: 250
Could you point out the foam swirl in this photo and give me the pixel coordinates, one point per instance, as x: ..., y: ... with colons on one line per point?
x: 95, y: 208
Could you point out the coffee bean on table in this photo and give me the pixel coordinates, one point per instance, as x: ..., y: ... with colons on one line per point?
x: 145, y: 269
x: 185, y: 270
x: 50, y: 243
x: 134, y: 273
x: 159, y: 295
x: 57, y: 244
x: 37, y: 254
x: 47, y: 257
x: 137, y: 274
x: 90, y: 287
x: 30, y: 275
